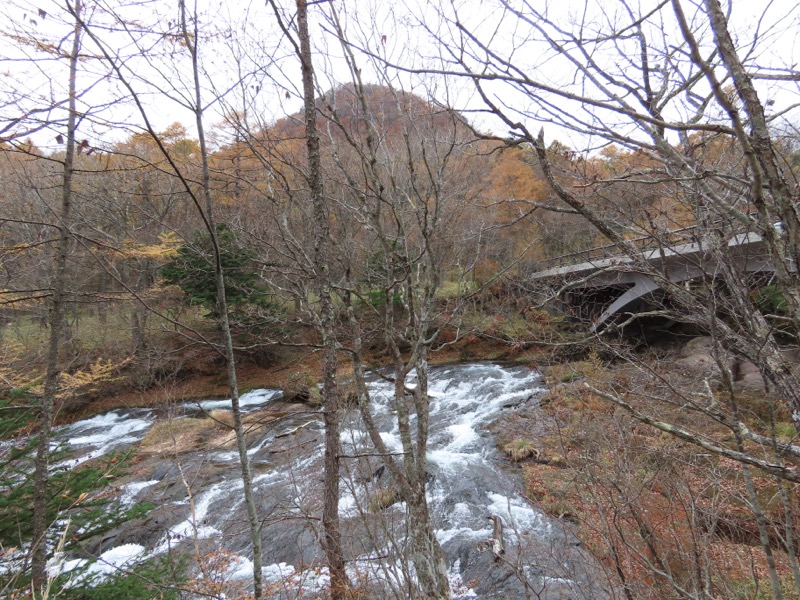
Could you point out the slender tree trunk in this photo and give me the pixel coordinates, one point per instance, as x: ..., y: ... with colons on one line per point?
x: 427, y: 557
x: 102, y: 309
x: 759, y: 150
x: 426, y: 553
x: 224, y: 322
x: 57, y: 324
x: 330, y: 512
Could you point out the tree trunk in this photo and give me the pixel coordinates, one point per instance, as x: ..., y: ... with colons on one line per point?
x: 224, y: 322
x: 330, y: 393
x: 57, y: 325
x: 426, y: 553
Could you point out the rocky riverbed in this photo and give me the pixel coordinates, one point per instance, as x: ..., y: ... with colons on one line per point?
x: 186, y: 466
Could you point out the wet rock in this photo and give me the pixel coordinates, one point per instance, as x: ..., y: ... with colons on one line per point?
x: 703, y: 345
x: 496, y: 579
x: 529, y: 569
x: 791, y: 355
x: 164, y: 470
x: 172, y: 490
x: 753, y: 381
x: 295, y: 541
x: 745, y: 368
x: 145, y: 531
x: 197, y: 474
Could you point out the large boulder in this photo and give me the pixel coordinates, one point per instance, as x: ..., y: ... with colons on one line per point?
x: 301, y: 387
x: 703, y: 346
x: 697, y: 356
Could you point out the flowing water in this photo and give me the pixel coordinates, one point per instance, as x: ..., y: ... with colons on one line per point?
x: 199, y: 505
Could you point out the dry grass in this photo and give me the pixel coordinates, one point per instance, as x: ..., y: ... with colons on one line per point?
x: 175, y: 436
x: 619, y: 480
x: 383, y: 499
x: 520, y: 449
x: 222, y: 417
x: 552, y: 491
x: 591, y: 369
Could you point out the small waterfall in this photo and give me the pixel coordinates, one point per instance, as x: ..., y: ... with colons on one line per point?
x: 198, y: 494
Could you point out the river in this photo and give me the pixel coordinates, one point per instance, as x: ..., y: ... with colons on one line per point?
x: 200, y: 511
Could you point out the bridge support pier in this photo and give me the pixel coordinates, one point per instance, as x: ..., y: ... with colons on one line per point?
x: 642, y: 285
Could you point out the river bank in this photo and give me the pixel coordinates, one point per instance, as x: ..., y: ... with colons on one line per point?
x: 204, y: 377
x: 647, y: 506
x: 662, y: 513
x: 184, y: 466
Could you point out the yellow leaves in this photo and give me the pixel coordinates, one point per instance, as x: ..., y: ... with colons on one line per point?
x: 11, y: 351
x: 86, y: 380
x: 19, y: 248
x: 70, y: 384
x: 15, y: 380
x: 167, y: 247
x: 512, y: 177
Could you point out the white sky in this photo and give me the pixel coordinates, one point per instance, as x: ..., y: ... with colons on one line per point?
x: 248, y: 65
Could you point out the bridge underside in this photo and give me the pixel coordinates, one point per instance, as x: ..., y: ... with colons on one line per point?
x: 611, y: 292
x: 599, y: 306
x: 600, y: 289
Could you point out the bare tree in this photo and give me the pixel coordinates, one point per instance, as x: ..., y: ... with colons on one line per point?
x: 186, y: 31
x: 325, y: 319
x: 407, y: 198
x: 675, y: 88
x: 56, y: 322
x: 666, y: 99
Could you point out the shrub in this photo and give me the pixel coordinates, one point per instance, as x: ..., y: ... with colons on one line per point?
x: 193, y: 271
x: 770, y: 300
x: 519, y: 450
x: 383, y: 499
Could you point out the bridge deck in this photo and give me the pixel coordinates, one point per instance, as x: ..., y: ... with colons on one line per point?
x: 671, y: 256
x: 676, y: 263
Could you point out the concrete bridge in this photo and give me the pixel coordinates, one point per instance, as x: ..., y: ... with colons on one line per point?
x: 609, y: 281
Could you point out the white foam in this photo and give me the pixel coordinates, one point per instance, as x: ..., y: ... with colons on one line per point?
x: 276, y: 572
x: 348, y: 506
x: 239, y: 568
x: 518, y: 515
x: 227, y: 456
x: 445, y: 535
x: 463, y: 434
x: 105, y: 430
x: 100, y: 435
x: 392, y: 441
x: 131, y: 490
x: 111, y: 560
x: 108, y: 563
x: 453, y: 462
x: 250, y: 400
x: 196, y: 526
x: 461, y: 512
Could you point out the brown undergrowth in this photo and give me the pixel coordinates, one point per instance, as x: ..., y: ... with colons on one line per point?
x: 664, y: 516
x: 200, y: 373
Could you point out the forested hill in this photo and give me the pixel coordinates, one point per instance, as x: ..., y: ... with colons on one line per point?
x: 317, y: 227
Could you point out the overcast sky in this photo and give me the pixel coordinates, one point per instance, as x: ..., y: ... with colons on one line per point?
x: 248, y: 66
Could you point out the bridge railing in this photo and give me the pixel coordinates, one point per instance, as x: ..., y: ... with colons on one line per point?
x: 682, y: 235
